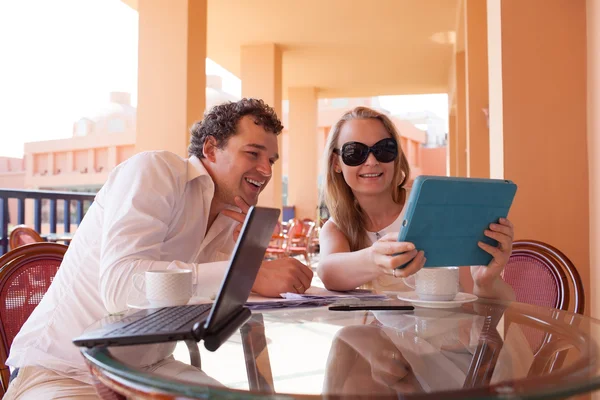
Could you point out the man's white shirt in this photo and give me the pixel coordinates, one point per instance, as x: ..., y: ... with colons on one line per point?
x: 151, y: 214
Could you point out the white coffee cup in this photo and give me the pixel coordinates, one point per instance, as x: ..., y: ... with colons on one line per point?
x: 436, y: 283
x: 165, y: 288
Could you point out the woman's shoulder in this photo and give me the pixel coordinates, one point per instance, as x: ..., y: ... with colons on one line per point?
x: 331, y: 230
x: 330, y: 227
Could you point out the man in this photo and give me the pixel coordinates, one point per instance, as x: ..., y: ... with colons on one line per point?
x: 156, y: 211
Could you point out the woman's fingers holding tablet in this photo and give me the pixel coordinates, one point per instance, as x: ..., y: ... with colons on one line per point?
x: 383, y: 252
x: 389, y: 244
x: 390, y: 237
x: 414, y: 264
x: 389, y: 254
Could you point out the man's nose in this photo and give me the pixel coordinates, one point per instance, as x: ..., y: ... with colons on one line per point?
x: 265, y: 168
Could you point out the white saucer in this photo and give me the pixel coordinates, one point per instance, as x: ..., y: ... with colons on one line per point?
x: 143, y: 304
x: 460, y: 298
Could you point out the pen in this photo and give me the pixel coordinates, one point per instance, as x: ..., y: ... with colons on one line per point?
x: 368, y: 307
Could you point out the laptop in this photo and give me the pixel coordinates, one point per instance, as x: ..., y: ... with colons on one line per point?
x: 213, y: 323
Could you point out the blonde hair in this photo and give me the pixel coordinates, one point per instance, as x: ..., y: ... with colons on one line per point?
x: 337, y: 195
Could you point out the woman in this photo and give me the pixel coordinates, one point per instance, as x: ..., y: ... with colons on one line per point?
x: 364, y: 190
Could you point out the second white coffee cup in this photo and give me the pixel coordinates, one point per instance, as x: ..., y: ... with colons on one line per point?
x: 165, y: 288
x: 435, y: 283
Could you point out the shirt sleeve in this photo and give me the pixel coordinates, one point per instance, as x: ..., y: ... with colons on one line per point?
x: 140, y: 200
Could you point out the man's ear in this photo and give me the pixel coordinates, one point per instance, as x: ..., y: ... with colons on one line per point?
x: 209, y: 149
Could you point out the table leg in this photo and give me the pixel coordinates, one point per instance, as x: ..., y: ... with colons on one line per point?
x: 194, y: 353
x: 256, y: 354
x: 486, y: 355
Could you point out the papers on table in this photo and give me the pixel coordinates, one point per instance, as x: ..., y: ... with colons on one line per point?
x: 314, y: 296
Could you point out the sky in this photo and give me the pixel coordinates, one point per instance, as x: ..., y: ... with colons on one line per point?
x: 59, y: 63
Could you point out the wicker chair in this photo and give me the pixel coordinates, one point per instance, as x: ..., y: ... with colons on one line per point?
x: 21, y: 235
x: 25, y: 275
x: 301, y: 245
x: 294, y: 243
x: 542, y: 275
x: 536, y: 265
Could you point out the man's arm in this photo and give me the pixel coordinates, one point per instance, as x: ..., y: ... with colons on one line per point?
x: 138, y: 209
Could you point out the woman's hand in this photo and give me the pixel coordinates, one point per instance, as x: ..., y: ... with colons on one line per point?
x: 486, y: 277
x: 383, y: 256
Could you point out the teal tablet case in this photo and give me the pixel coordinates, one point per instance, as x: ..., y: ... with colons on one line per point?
x: 446, y: 217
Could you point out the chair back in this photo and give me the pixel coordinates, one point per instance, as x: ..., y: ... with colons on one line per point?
x: 542, y: 275
x: 278, y: 230
x: 306, y: 224
x: 25, y: 275
x: 313, y: 239
x: 295, y: 228
x: 307, y: 236
x: 21, y: 235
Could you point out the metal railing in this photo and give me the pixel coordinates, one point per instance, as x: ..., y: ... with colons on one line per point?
x: 53, y: 198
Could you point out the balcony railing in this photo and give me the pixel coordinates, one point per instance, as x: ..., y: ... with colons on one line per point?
x: 54, y: 198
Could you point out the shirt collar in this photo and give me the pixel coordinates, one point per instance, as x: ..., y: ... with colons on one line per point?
x: 196, y: 169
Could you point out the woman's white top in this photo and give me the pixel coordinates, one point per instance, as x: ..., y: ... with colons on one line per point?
x: 388, y: 282
x: 393, y: 227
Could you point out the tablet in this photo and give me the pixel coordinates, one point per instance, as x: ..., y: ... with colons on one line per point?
x: 446, y: 217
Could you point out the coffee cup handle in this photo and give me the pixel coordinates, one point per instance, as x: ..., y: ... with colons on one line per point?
x: 410, y: 282
x: 139, y: 283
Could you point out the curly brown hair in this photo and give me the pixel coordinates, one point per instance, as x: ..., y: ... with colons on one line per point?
x: 221, y: 123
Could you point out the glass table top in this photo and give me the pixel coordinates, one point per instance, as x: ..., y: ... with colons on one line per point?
x: 485, y: 349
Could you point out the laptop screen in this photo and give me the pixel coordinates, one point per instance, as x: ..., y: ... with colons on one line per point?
x: 246, y: 261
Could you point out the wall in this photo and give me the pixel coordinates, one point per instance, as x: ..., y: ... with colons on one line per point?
x: 433, y: 161
x: 537, y: 54
x: 77, y: 161
x: 12, y: 164
x: 593, y: 136
x: 12, y: 176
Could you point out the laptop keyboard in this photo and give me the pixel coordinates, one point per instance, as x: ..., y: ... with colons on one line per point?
x: 163, y: 320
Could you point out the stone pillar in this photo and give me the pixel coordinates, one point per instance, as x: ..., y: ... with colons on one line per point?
x: 451, y: 158
x: 476, y: 71
x: 261, y: 78
x: 461, y: 116
x: 538, y: 131
x: 171, y: 73
x: 304, y: 158
x: 593, y: 137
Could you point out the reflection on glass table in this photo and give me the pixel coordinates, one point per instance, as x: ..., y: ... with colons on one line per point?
x: 485, y: 349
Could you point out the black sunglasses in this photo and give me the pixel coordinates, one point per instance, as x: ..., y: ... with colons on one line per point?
x: 356, y: 153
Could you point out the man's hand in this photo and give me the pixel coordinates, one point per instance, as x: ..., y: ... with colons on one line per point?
x: 238, y: 216
x: 282, y: 276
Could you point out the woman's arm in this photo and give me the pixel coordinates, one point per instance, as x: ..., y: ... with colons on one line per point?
x: 341, y: 269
